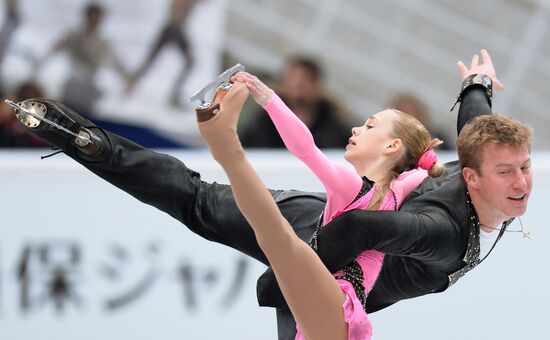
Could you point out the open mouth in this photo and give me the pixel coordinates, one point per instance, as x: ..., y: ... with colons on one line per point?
x: 518, y: 198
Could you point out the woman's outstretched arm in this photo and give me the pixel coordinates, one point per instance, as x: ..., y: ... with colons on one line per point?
x: 341, y: 182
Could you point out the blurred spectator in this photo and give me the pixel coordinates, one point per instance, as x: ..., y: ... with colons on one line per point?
x: 87, y: 51
x: 12, y: 132
x: 412, y: 105
x: 301, y: 89
x: 172, y: 32
x: 10, y: 24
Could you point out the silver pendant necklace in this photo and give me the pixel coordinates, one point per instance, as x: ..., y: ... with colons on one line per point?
x: 526, y: 234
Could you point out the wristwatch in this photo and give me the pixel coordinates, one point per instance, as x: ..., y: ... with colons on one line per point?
x: 476, y: 80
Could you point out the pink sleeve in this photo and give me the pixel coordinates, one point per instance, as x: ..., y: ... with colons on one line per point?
x: 406, y: 182
x: 341, y: 183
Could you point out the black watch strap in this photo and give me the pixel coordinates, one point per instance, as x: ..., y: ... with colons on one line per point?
x: 476, y: 80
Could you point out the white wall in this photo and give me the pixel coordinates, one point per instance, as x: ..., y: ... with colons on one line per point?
x: 56, y: 202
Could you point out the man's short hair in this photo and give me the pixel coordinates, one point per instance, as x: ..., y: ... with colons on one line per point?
x: 486, y: 129
x: 93, y: 9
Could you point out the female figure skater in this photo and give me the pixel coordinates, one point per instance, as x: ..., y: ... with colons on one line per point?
x: 382, y: 151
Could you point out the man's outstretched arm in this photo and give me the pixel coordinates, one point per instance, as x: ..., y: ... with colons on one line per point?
x: 474, y: 102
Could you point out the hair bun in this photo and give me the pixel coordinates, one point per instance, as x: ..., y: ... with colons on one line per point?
x: 427, y: 160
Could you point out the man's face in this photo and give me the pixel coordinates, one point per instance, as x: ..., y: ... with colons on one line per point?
x: 299, y: 84
x: 93, y: 20
x: 504, y: 181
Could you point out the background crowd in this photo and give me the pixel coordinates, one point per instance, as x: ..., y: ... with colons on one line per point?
x: 99, y: 63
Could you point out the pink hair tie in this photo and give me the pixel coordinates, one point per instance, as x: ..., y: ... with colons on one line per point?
x: 427, y: 160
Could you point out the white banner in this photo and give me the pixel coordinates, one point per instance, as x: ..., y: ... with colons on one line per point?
x: 80, y: 259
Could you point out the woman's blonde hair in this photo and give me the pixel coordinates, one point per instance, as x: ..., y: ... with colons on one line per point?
x: 417, y: 140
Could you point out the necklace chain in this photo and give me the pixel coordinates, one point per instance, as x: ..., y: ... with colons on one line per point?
x: 526, y: 234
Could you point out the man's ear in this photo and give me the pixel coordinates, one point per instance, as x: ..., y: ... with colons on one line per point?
x: 394, y: 147
x: 471, y: 177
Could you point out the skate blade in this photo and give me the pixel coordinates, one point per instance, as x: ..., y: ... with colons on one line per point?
x: 206, y: 94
